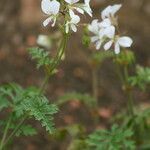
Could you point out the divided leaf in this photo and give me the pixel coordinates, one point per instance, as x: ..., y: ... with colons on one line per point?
x: 142, y: 77
x: 41, y: 56
x: 37, y: 106
x: 115, y: 139
x: 28, y: 102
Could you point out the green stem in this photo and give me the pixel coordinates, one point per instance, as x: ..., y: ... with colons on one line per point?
x: 129, y: 93
x: 95, y: 85
x: 59, y: 55
x: 5, y: 133
x: 15, y: 130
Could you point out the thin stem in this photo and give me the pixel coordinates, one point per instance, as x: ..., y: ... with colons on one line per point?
x: 95, y: 84
x: 5, y: 133
x: 16, y: 129
x: 128, y: 91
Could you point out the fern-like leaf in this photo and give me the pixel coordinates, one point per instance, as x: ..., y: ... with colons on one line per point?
x: 142, y: 77
x: 41, y: 56
x: 115, y: 139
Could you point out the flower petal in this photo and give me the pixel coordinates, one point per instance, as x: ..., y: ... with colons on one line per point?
x: 125, y: 41
x: 47, y: 21
x: 73, y: 27
x: 105, y: 23
x: 94, y: 26
x: 74, y: 18
x: 115, y: 8
x: 117, y: 48
x: 50, y: 7
x: 110, y: 10
x: 98, y: 45
x: 79, y: 10
x: 94, y: 38
x: 109, y: 32
x: 71, y: 1
x: 108, y: 45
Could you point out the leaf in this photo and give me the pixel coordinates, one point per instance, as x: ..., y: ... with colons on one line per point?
x: 142, y: 77
x: 126, y: 57
x: 29, y: 101
x: 38, y: 107
x: 41, y: 56
x: 26, y: 130
x: 115, y: 139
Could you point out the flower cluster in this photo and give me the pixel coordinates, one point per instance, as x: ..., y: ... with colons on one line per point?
x: 106, y: 32
x: 67, y: 8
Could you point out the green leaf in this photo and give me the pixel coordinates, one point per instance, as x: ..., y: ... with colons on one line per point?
x: 142, y: 77
x: 125, y: 57
x: 29, y: 101
x: 38, y: 107
x: 115, y: 139
x: 41, y: 56
x: 26, y: 130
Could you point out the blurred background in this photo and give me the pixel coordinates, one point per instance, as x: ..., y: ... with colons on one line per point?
x: 20, y: 25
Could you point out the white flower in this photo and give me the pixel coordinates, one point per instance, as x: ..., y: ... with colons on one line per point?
x: 110, y: 11
x: 102, y: 30
x: 79, y: 7
x: 43, y: 40
x: 73, y: 22
x: 94, y: 27
x: 124, y: 41
x: 50, y: 8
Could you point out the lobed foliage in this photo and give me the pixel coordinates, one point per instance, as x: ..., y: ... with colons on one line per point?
x: 28, y: 102
x: 142, y: 77
x: 41, y: 56
x: 115, y: 139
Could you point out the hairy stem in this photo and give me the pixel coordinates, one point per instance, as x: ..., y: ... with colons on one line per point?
x: 5, y: 133
x: 15, y: 130
x: 95, y: 84
x: 128, y: 92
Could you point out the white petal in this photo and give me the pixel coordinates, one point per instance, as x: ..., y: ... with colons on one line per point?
x: 94, y: 26
x: 79, y: 10
x: 94, y: 38
x: 110, y: 32
x: 98, y: 45
x: 108, y: 45
x: 105, y: 23
x: 71, y: 1
x: 125, y: 41
x: 87, y: 2
x: 88, y: 10
x: 115, y: 8
x: 74, y: 28
x: 47, y: 21
x: 54, y: 22
x: 106, y: 12
x: 117, y: 48
x: 50, y: 7
x: 110, y: 11
x: 74, y: 18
